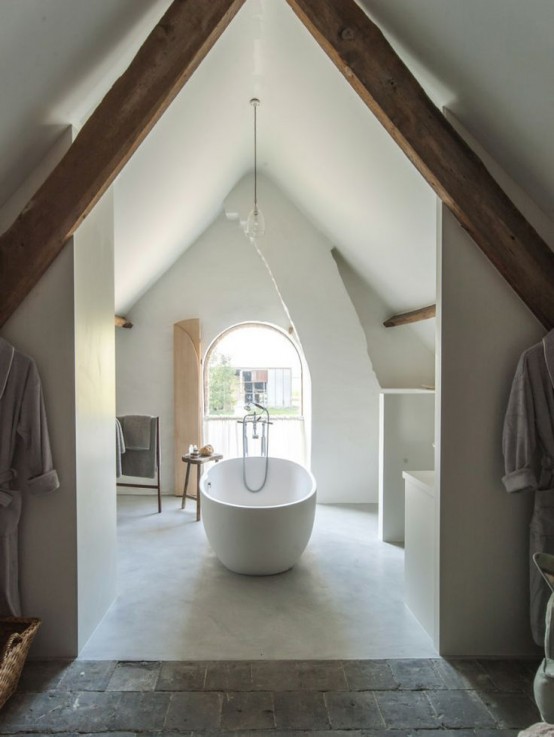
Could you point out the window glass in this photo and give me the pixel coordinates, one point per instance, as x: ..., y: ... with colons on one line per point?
x: 253, y: 363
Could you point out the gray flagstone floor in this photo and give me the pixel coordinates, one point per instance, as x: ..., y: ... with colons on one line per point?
x: 349, y: 698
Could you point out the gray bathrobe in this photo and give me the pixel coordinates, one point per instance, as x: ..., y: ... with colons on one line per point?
x: 24, y: 445
x: 528, y: 445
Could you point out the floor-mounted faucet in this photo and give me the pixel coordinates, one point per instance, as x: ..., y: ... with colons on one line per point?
x: 255, y: 420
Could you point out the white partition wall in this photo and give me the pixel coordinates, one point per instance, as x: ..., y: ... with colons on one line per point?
x: 42, y: 327
x: 67, y: 538
x: 420, y: 547
x: 406, y: 437
x: 95, y: 417
x: 482, y: 329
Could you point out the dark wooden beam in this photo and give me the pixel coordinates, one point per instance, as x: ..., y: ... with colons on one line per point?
x: 369, y: 63
x: 122, y: 322
x: 167, y: 59
x: 414, y: 316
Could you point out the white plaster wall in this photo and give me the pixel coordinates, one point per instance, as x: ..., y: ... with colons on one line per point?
x: 482, y: 329
x: 403, y: 356
x: 95, y: 412
x: 221, y: 280
x: 345, y: 390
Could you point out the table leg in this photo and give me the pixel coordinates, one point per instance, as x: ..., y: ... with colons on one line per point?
x: 185, y: 487
x: 198, y: 474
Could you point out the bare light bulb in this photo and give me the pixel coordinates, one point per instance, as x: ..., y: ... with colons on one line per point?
x: 255, y: 224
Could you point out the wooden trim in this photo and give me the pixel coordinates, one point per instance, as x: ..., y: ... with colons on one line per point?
x: 163, y: 64
x: 187, y: 401
x: 122, y: 322
x: 414, y: 316
x: 369, y: 63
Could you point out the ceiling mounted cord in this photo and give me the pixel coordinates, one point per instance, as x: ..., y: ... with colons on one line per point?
x: 255, y: 102
x: 255, y: 223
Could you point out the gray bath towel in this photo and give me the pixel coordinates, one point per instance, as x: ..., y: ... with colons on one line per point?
x: 137, y: 432
x: 119, y: 446
x: 139, y: 462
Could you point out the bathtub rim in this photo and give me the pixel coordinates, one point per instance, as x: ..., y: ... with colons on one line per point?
x: 306, y: 497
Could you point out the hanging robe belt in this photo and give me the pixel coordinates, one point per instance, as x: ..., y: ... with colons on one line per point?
x: 6, y: 495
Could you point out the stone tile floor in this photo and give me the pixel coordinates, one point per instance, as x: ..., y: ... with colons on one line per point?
x: 349, y: 698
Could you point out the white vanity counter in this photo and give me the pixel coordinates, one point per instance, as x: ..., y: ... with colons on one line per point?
x: 424, y: 480
x: 420, y: 546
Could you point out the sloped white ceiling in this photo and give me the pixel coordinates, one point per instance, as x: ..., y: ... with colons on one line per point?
x: 316, y: 139
x: 58, y: 58
x: 489, y: 61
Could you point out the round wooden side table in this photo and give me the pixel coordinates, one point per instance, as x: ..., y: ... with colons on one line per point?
x: 198, y: 461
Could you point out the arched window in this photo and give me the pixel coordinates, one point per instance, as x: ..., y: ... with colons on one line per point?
x: 254, y: 362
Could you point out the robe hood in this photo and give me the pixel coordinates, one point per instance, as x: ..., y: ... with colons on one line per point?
x: 7, y: 352
x: 548, y: 343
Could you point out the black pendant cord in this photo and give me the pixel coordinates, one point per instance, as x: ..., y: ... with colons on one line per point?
x: 255, y: 102
x: 255, y: 158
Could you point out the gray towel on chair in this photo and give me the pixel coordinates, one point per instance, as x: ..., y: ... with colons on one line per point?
x: 139, y: 462
x: 119, y: 446
x: 137, y: 432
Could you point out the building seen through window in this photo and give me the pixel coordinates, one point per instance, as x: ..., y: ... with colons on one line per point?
x: 271, y: 387
x: 253, y: 363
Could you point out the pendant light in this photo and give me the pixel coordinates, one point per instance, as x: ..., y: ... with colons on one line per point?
x: 255, y: 223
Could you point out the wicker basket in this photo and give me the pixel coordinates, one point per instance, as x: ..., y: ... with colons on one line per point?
x: 16, y: 636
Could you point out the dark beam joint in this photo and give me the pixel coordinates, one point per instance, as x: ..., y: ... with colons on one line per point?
x: 414, y: 316
x: 122, y: 322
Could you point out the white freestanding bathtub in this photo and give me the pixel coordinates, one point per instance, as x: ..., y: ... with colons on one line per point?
x: 264, y: 532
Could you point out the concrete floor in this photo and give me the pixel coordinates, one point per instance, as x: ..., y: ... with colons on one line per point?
x: 343, y: 600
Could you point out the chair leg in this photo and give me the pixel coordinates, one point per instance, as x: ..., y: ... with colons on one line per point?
x: 158, y: 462
x: 198, y: 474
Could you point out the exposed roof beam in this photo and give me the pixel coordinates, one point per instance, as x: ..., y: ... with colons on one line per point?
x: 424, y: 313
x: 369, y: 63
x: 167, y: 59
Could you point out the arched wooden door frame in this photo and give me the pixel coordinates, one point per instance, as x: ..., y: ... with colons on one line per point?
x: 187, y: 394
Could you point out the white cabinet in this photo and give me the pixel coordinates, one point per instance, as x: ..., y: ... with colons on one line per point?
x: 420, y: 547
x: 406, y: 437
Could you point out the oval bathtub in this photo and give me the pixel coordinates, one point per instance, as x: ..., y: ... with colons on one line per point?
x: 258, y: 533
